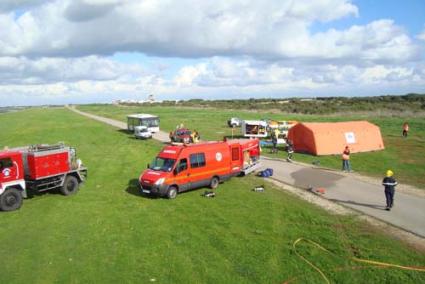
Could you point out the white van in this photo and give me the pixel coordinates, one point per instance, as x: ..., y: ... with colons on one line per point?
x: 148, y: 120
x: 142, y: 132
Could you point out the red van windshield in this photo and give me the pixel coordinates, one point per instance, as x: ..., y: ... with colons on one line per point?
x: 162, y: 164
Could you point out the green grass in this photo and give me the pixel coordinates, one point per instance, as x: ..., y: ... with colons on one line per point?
x: 108, y: 233
x: 406, y: 157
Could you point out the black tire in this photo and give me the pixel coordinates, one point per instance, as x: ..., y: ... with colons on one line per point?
x: 214, y: 182
x: 11, y: 200
x: 70, y: 186
x: 172, y: 192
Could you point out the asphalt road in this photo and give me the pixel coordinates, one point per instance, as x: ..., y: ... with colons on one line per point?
x: 408, y: 212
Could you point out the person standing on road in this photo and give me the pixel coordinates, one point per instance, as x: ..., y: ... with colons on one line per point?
x: 346, y: 166
x: 405, y: 129
x: 289, y: 150
x: 389, y: 183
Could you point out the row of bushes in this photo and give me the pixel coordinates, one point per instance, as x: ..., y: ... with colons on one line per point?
x: 324, y: 105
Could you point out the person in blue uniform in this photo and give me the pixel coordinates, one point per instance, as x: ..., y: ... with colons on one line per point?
x: 389, y: 183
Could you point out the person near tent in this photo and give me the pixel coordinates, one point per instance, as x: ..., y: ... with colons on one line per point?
x: 389, y: 184
x: 405, y: 129
x: 346, y: 166
x: 289, y: 150
x: 275, y: 135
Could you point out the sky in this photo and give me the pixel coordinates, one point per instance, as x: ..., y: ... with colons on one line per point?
x: 97, y: 51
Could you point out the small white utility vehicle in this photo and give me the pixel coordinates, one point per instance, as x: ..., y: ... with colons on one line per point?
x: 234, y: 122
x: 142, y: 132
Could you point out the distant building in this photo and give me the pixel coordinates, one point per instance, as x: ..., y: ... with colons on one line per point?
x: 150, y: 100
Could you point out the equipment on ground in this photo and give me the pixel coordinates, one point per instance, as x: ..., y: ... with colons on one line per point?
x: 208, y: 194
x: 259, y: 188
x: 179, y: 168
x: 38, y: 168
x: 148, y: 120
x: 266, y: 173
x: 142, y: 132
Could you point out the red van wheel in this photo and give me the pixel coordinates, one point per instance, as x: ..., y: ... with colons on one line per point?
x: 214, y: 182
x: 172, y: 192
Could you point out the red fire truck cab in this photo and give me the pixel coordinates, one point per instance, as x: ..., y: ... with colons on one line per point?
x: 179, y: 168
x: 35, y: 169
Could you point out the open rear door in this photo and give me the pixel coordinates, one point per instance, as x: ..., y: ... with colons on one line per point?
x: 236, y: 159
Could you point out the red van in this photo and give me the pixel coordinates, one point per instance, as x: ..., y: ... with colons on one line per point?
x: 179, y: 168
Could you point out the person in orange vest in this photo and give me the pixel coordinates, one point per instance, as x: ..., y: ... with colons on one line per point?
x: 405, y: 129
x: 346, y: 166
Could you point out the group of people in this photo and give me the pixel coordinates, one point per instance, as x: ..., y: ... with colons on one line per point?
x: 288, y: 142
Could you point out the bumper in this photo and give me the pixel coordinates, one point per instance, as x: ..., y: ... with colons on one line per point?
x: 159, y: 190
x: 143, y: 136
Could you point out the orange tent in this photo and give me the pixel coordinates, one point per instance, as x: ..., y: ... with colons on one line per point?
x: 327, y: 138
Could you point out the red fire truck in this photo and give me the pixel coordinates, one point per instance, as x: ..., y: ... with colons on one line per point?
x: 179, y: 168
x: 38, y: 168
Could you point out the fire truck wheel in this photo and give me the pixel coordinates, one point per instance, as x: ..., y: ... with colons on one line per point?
x: 70, y: 186
x: 214, y: 182
x: 172, y: 192
x: 10, y: 200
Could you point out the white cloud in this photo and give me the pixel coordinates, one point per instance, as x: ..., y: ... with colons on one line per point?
x: 267, y: 29
x: 375, y: 42
x: 421, y: 36
x: 219, y: 72
x: 59, y: 49
x: 21, y: 70
x: 10, y: 5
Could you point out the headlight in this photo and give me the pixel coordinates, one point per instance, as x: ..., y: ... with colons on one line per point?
x: 160, y: 181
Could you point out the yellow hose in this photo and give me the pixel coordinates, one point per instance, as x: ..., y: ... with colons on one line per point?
x: 372, y: 262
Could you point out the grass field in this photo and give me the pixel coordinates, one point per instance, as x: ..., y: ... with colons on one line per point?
x: 109, y: 233
x: 406, y: 157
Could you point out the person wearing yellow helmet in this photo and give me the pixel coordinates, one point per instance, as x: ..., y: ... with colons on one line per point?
x: 389, y: 183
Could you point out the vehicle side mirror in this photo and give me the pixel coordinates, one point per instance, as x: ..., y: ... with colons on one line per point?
x: 176, y: 171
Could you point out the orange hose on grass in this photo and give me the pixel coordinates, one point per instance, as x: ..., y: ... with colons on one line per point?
x: 375, y: 264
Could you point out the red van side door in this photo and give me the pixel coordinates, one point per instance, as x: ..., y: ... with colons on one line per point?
x: 200, y: 171
x: 235, y: 158
x: 183, y: 176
